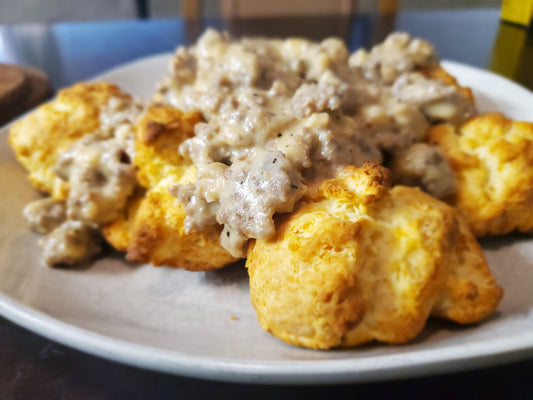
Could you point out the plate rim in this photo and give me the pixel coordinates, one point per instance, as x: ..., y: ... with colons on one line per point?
x: 353, y: 370
x: 272, y: 372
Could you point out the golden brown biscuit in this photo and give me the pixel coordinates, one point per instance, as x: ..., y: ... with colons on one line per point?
x: 158, y: 235
x: 470, y: 293
x: 492, y: 160
x: 118, y: 232
x: 355, y: 262
x: 43, y: 135
x: 358, y: 261
x: 305, y: 292
x: 404, y: 265
x: 304, y: 281
x: 160, y: 132
x: 151, y: 229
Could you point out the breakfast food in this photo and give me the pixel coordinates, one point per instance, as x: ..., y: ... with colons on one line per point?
x: 359, y: 261
x: 269, y: 150
x: 161, y: 130
x: 41, y: 137
x: 470, y: 292
x: 153, y: 231
x: 492, y: 160
x: 78, y: 149
x: 158, y: 236
x: 293, y: 112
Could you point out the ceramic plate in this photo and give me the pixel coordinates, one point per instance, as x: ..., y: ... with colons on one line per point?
x: 203, y: 325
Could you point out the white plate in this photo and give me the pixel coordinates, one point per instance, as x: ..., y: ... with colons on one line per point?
x: 202, y: 324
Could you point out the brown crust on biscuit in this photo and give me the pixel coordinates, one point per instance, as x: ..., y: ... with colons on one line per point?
x: 492, y: 160
x: 160, y: 131
x: 364, y: 185
x: 118, y: 233
x: 358, y: 261
x: 152, y: 132
x: 158, y: 236
x: 43, y: 135
x: 471, y: 292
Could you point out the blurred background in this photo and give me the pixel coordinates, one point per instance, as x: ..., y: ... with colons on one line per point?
x: 73, y: 40
x: 27, y: 11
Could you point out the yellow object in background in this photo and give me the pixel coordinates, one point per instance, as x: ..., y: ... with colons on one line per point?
x: 506, y: 58
x: 517, y: 11
x: 512, y: 55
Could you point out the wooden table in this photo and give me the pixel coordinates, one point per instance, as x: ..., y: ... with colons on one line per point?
x: 32, y: 367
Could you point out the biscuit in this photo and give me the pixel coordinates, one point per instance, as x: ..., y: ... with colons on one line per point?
x: 158, y: 236
x: 304, y: 281
x: 470, y: 293
x: 404, y: 265
x: 151, y: 229
x: 118, y: 232
x: 358, y: 261
x: 491, y: 157
x: 160, y: 132
x: 43, y: 135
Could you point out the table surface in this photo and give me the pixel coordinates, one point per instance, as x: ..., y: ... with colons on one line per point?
x: 34, y: 367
